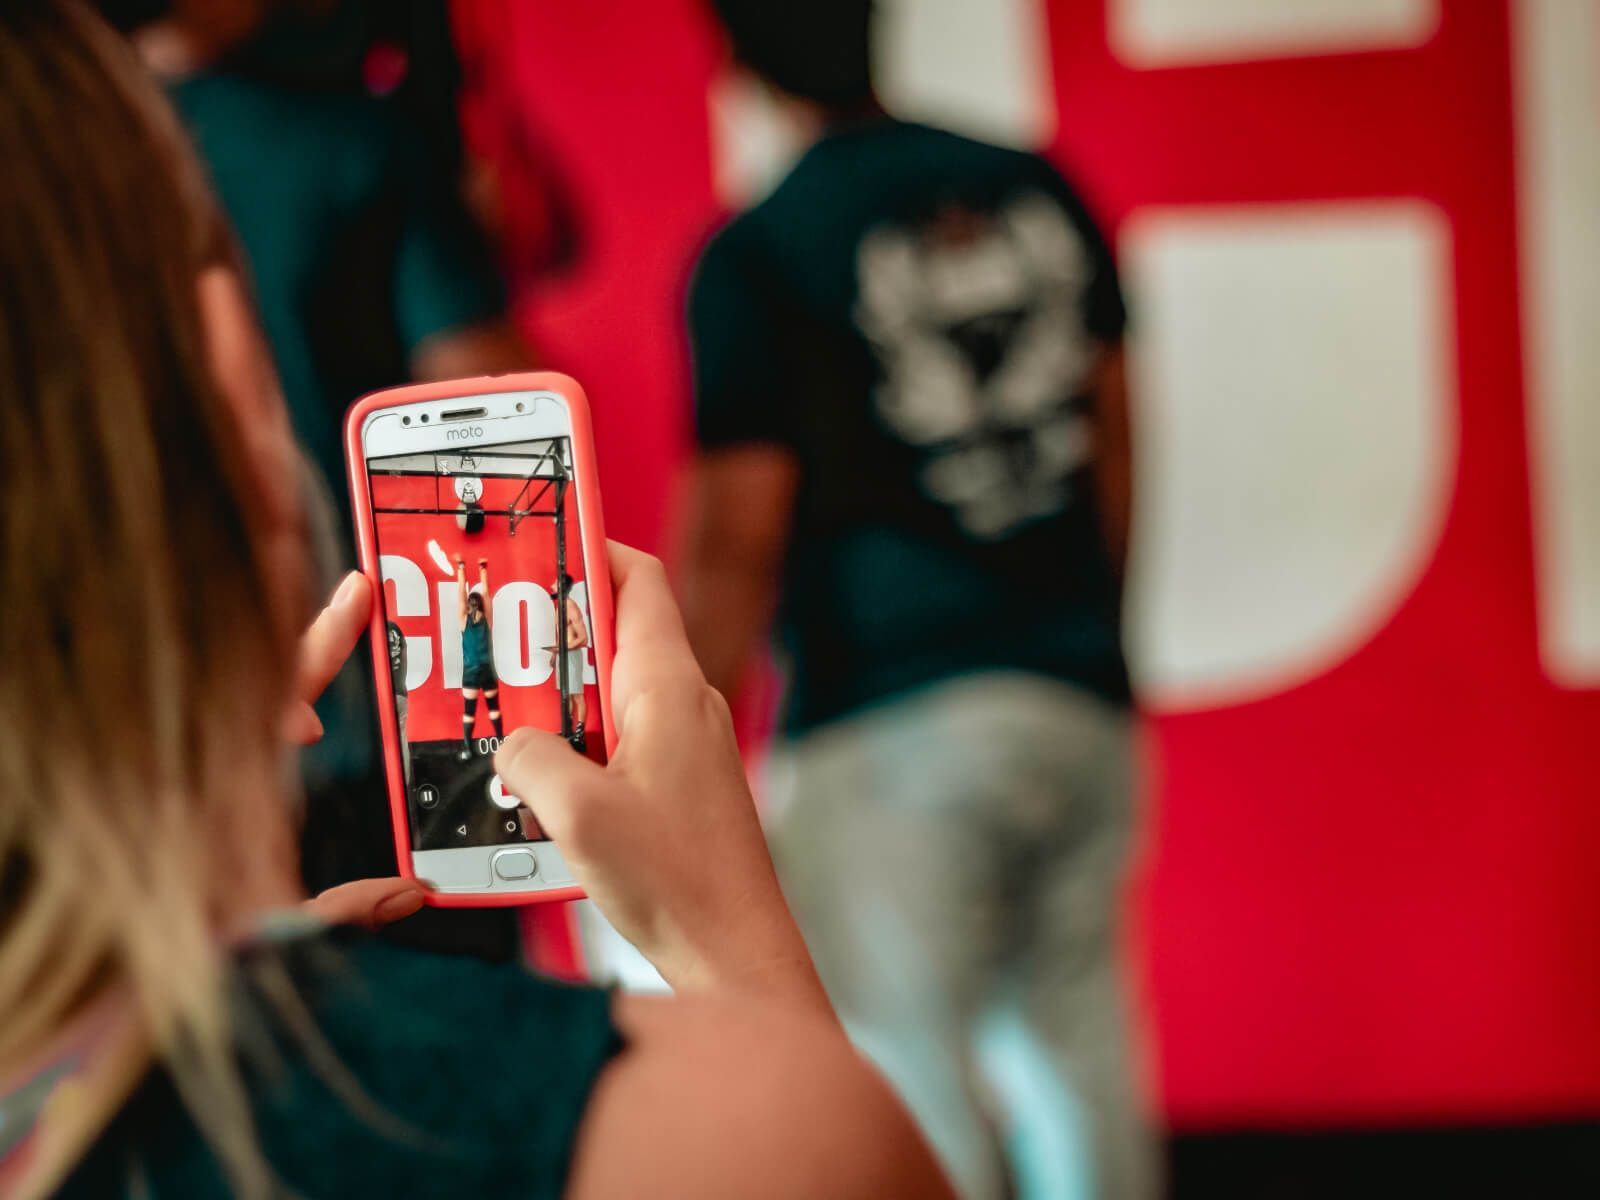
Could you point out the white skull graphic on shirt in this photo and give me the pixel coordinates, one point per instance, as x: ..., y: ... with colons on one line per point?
x: 977, y: 323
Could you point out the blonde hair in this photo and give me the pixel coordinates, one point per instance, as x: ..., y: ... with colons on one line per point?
x: 146, y: 646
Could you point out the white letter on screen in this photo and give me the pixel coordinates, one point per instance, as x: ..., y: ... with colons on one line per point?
x: 449, y: 635
x: 410, y: 600
x: 520, y: 610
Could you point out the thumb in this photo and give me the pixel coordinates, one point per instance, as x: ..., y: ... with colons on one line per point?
x: 556, y: 782
x: 333, y: 635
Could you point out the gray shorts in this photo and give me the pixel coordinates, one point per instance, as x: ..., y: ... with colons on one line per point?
x: 481, y: 677
x: 575, y: 666
x: 959, y: 845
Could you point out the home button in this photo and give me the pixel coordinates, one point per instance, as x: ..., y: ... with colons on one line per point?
x: 515, y: 864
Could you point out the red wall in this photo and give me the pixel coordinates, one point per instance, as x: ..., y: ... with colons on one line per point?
x: 614, y: 95
x: 1374, y: 892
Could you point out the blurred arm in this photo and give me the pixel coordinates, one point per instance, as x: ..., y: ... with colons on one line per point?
x: 736, y: 529
x: 488, y: 348
x: 450, y: 302
x: 725, y: 1098
x: 1113, y: 464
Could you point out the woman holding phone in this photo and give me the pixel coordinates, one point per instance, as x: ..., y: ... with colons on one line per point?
x: 174, y: 1021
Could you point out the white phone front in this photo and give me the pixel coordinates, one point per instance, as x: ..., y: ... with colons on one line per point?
x: 476, y: 527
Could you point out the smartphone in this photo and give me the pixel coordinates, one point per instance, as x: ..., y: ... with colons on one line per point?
x: 478, y: 521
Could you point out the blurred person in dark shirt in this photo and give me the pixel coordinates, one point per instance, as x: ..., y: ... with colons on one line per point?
x: 366, y: 265
x: 366, y: 269
x: 913, y: 460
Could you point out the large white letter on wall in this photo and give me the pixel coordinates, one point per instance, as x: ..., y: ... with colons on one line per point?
x: 1558, y: 175
x: 1293, y: 376
x: 982, y: 68
x: 1167, y: 33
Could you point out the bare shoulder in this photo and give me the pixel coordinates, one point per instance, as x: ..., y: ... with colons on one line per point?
x: 715, y: 1099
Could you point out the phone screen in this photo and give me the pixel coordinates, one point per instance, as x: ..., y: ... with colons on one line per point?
x: 488, y: 628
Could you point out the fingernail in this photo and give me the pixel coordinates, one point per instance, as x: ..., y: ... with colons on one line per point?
x: 302, y: 726
x: 401, y: 905
x: 347, y: 588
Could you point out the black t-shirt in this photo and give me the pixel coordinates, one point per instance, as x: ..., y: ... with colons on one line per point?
x: 429, y: 1076
x: 915, y: 316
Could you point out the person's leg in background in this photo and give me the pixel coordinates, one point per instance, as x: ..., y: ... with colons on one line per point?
x: 577, y: 704
x: 402, y: 706
x: 491, y: 697
x: 1069, y: 966
x: 885, y: 843
x: 469, y: 719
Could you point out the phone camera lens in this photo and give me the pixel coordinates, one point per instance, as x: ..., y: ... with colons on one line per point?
x: 424, y: 418
x: 521, y: 406
x: 405, y: 420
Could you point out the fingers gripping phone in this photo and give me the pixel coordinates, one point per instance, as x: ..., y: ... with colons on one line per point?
x: 478, y: 522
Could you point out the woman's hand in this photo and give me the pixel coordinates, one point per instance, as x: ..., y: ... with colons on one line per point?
x: 369, y: 903
x: 324, y: 649
x: 665, y: 838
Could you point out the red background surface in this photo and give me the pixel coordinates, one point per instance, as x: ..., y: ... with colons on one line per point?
x: 1371, y: 897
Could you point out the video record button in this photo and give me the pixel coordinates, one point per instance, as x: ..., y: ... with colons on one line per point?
x: 499, y: 797
x: 515, y: 864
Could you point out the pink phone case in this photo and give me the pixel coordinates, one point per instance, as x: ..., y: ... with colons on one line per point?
x: 597, y: 570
